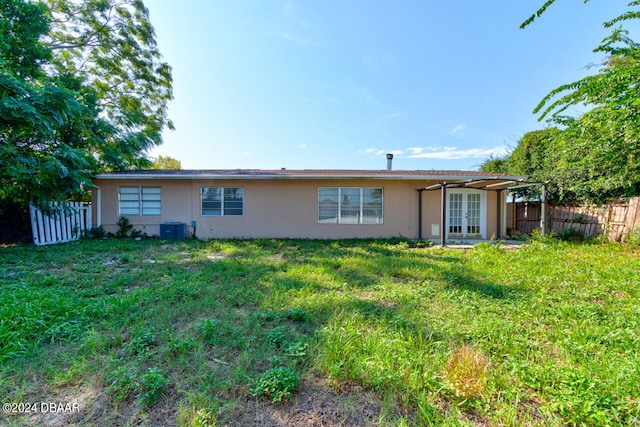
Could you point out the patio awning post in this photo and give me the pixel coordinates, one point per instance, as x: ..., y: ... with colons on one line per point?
x: 498, y: 216
x: 543, y: 209
x: 443, y: 219
x: 420, y: 190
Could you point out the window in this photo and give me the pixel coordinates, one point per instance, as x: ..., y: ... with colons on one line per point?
x: 222, y: 201
x: 140, y: 201
x: 350, y: 205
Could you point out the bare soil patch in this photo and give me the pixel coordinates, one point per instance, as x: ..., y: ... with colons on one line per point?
x: 315, y: 404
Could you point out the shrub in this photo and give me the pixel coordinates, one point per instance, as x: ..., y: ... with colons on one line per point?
x: 96, y: 232
x: 276, y: 383
x: 466, y: 372
x: 579, y: 219
x: 124, y: 227
x: 544, y: 239
x: 570, y: 234
x: 422, y: 244
x: 634, y: 237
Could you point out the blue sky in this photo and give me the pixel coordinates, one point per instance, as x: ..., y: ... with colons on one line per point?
x: 337, y: 84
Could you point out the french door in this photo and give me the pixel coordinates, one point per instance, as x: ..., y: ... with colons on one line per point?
x: 466, y: 210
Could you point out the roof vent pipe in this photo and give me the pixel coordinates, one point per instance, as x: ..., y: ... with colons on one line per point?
x: 389, y: 161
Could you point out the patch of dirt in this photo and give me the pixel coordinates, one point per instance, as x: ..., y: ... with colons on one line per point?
x: 314, y: 405
x: 277, y: 257
x: 216, y: 256
x: 80, y: 401
x: 92, y: 406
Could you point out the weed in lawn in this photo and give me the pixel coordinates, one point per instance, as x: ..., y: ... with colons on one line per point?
x: 191, y: 417
x: 633, y: 239
x: 176, y: 347
x: 125, y: 380
x: 296, y: 314
x: 122, y: 382
x: 143, y: 343
x: 151, y: 386
x: 277, y: 336
x: 296, y: 349
x: 208, y: 330
x: 277, y: 383
x: 466, y: 372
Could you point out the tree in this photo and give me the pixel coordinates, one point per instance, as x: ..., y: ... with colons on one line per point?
x: 43, y: 119
x: 495, y: 164
x: 166, y: 163
x: 111, y: 45
x: 82, y: 90
x: 536, y: 156
x: 596, y: 153
x: 625, y: 16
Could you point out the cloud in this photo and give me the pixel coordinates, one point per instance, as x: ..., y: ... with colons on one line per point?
x: 369, y: 98
x: 455, y: 153
x: 443, y: 153
x: 377, y: 152
x: 250, y: 153
x: 368, y: 151
x: 300, y: 40
x: 457, y: 129
x: 302, y: 146
x: 373, y: 151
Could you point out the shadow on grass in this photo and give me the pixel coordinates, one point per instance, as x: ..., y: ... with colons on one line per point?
x: 298, y: 286
x: 467, y: 282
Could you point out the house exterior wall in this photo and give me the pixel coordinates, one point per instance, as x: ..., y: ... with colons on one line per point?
x: 281, y: 208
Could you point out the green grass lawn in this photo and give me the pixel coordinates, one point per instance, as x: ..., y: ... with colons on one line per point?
x: 201, y: 333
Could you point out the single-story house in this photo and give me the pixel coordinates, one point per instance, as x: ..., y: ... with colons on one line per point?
x: 319, y: 204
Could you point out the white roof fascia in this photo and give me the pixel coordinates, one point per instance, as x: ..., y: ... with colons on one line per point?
x: 304, y: 176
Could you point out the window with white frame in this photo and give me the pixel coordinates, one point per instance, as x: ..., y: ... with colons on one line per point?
x: 350, y: 205
x: 136, y: 201
x: 222, y: 201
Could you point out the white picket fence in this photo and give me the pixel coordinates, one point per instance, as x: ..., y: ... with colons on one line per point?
x: 67, y: 222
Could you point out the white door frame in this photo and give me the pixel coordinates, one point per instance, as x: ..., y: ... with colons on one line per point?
x: 483, y: 212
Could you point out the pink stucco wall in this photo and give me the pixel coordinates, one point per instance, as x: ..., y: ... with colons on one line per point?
x: 281, y: 209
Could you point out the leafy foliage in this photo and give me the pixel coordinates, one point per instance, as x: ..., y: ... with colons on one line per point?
x: 124, y: 227
x: 151, y: 386
x: 536, y: 156
x: 45, y: 121
x: 111, y: 45
x: 593, y: 156
x: 82, y: 89
x: 277, y: 383
x: 166, y: 163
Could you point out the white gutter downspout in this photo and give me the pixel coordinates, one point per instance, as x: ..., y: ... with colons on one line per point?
x: 98, y: 206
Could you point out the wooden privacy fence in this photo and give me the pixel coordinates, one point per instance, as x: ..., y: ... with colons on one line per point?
x: 65, y: 222
x: 615, y: 219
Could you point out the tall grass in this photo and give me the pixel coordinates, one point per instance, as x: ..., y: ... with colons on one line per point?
x: 544, y: 335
